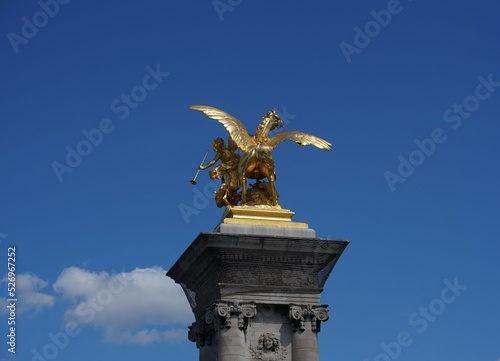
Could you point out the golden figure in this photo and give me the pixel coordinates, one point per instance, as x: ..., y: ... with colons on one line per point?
x: 227, y: 171
x: 257, y: 162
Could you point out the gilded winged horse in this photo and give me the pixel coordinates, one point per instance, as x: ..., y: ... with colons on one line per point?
x: 257, y: 162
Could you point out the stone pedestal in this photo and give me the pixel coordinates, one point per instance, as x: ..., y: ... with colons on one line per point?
x: 256, y: 297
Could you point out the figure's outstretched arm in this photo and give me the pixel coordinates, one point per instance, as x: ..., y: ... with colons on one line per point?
x: 211, y: 163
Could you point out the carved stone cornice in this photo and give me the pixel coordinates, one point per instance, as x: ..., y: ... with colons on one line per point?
x: 222, y: 266
x: 299, y: 314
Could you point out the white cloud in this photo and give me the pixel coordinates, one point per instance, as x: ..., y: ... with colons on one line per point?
x: 28, y: 295
x: 141, y: 306
x: 153, y: 335
x: 74, y: 282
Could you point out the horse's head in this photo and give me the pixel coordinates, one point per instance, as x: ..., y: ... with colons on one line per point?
x: 274, y: 119
x: 269, y: 121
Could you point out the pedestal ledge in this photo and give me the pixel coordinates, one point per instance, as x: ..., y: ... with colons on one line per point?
x: 267, y: 216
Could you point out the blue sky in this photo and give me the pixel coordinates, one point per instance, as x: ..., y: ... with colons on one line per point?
x: 408, y: 93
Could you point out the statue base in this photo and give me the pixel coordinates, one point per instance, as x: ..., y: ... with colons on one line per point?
x: 262, y: 220
x: 254, y: 297
x: 267, y: 216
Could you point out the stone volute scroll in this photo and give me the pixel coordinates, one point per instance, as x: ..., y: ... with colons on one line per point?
x: 222, y: 312
x: 300, y: 314
x: 218, y: 317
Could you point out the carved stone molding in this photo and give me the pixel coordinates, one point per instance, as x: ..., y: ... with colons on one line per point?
x: 299, y: 314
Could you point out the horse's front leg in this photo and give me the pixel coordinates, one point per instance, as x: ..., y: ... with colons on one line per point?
x: 243, y: 189
x: 274, y: 197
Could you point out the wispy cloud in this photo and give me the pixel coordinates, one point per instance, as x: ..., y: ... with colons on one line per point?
x: 149, y: 336
x: 141, y: 306
x: 29, y: 297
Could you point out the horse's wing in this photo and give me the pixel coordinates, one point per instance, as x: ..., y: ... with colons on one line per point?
x: 236, y: 129
x: 299, y: 138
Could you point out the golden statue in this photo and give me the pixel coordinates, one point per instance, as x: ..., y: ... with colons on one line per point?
x: 227, y: 171
x: 255, y: 162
